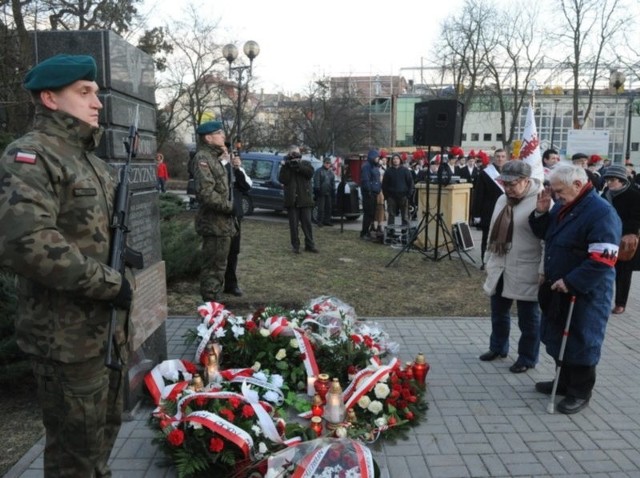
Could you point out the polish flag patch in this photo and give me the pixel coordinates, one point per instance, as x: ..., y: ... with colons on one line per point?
x: 25, y: 157
x: 604, y: 253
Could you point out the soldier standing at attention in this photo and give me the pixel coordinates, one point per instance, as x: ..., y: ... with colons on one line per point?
x: 56, y: 204
x: 214, y: 220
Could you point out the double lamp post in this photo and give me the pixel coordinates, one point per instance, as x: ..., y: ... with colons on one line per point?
x: 251, y: 50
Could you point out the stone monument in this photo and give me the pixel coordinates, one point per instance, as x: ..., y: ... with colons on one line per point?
x: 126, y: 81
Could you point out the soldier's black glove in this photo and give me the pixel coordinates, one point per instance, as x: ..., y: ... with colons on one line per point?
x: 125, y: 295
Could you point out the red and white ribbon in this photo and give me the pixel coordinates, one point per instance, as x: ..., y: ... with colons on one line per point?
x: 369, y: 382
x: 276, y: 324
x: 227, y: 430
x: 309, y: 358
x: 155, y: 380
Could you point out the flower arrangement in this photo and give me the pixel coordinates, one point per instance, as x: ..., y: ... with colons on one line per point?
x: 256, y: 369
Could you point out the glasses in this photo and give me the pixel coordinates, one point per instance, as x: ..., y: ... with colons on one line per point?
x: 511, y: 184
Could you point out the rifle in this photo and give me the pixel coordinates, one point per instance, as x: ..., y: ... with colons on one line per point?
x: 121, y: 256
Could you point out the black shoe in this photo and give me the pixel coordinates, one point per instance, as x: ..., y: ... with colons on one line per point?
x: 547, y: 388
x: 491, y: 355
x: 519, y: 368
x: 571, y: 405
x: 237, y: 291
x: 311, y: 249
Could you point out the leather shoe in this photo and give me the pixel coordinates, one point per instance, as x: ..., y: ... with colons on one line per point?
x: 491, y: 355
x: 237, y: 291
x: 547, y: 388
x: 311, y: 249
x: 519, y: 368
x: 571, y: 405
x: 618, y: 309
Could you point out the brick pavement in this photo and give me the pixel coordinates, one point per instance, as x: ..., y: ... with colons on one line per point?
x: 483, y: 421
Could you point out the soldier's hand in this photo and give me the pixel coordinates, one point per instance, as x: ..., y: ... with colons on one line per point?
x: 125, y: 295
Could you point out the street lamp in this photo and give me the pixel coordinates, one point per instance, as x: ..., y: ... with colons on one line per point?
x: 251, y: 50
x: 616, y: 80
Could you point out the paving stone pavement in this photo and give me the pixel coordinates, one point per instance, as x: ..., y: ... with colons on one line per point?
x: 483, y: 421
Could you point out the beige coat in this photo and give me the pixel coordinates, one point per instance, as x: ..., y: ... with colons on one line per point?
x: 523, y: 264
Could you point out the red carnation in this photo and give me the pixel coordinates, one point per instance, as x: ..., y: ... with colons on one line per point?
x: 176, y: 437
x: 251, y: 326
x: 351, y: 369
x: 201, y: 401
x: 356, y: 339
x: 392, y: 421
x: 226, y: 413
x: 402, y: 404
x: 409, y: 415
x: 216, y: 445
x: 248, y: 411
x: 368, y: 341
x: 234, y: 402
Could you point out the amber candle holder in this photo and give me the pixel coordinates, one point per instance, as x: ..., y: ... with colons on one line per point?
x: 316, y: 425
x: 316, y: 408
x: 322, y: 386
x: 420, y: 369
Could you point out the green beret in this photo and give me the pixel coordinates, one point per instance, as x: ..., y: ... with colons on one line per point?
x: 59, y: 71
x: 209, y: 127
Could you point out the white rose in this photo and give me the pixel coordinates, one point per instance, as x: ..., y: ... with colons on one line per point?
x: 375, y: 407
x: 260, y: 376
x: 262, y: 448
x: 341, y: 432
x: 282, y: 353
x: 380, y: 422
x: 265, y: 332
x: 256, y: 366
x: 237, y: 330
x: 364, y: 401
x: 219, y: 333
x: 271, y: 397
x: 293, y: 344
x: 257, y: 431
x: 381, y: 390
x: 277, y: 380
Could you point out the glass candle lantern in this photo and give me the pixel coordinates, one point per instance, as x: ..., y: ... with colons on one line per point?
x: 316, y: 425
x: 334, y: 409
x: 322, y: 385
x: 420, y: 368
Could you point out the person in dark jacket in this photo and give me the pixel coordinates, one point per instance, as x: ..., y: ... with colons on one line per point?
x: 370, y: 187
x: 487, y: 190
x: 324, y: 187
x: 397, y: 186
x: 241, y: 185
x: 582, y: 160
x: 626, y: 200
x: 581, y: 233
x: 296, y: 174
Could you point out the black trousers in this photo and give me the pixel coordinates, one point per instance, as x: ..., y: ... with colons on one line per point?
x: 300, y: 216
x: 624, y: 272
x: 324, y: 208
x: 368, y: 211
x: 483, y: 242
x: 577, y: 380
x: 230, y: 277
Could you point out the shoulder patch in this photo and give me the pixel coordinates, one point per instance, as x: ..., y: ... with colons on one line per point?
x: 25, y: 157
x: 203, y: 164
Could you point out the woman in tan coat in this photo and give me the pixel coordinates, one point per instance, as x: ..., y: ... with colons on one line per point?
x: 514, y: 267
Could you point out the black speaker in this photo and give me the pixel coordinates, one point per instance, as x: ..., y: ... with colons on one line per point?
x: 438, y: 123
x: 462, y: 235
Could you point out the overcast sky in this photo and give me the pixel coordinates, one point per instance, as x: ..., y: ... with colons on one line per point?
x: 303, y: 40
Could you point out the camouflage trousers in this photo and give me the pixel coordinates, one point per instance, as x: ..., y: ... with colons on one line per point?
x: 82, y: 412
x: 213, y: 263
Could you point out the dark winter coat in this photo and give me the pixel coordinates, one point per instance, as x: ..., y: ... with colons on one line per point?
x: 370, y: 177
x: 296, y: 177
x: 397, y: 183
x: 627, y: 205
x: 485, y: 194
x: 581, y: 249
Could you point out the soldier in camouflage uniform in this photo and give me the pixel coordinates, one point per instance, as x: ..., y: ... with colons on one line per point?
x: 56, y: 203
x: 214, y: 220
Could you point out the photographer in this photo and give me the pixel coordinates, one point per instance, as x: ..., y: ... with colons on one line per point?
x: 296, y: 174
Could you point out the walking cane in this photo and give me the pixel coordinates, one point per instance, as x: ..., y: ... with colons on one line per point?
x: 565, y: 336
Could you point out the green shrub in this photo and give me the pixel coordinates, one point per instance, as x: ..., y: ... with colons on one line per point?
x: 180, y: 243
x: 13, y: 362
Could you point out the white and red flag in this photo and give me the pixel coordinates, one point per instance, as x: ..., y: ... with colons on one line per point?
x: 530, y: 149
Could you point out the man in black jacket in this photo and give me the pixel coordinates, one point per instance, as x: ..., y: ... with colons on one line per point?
x: 487, y: 191
x: 241, y: 185
x: 397, y: 187
x: 295, y: 175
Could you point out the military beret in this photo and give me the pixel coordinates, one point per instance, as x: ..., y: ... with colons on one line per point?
x: 209, y: 127
x: 59, y: 71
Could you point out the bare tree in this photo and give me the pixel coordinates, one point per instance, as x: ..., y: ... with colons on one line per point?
x: 463, y: 47
x: 588, y: 28
x: 116, y: 15
x: 513, y: 56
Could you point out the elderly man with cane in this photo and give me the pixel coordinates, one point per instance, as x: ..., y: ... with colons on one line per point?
x: 581, y: 233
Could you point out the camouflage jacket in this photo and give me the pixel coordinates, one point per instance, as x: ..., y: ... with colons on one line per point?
x: 56, y: 201
x: 215, y: 214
